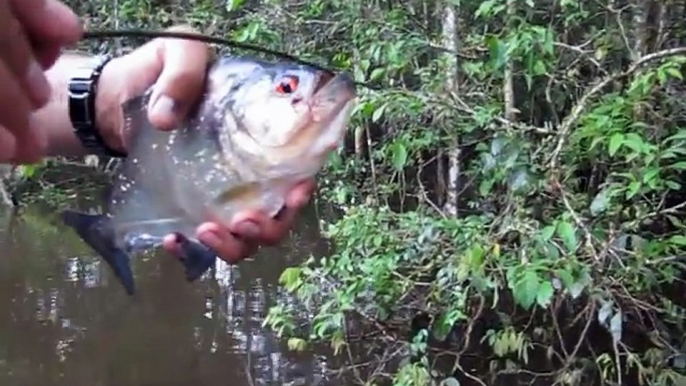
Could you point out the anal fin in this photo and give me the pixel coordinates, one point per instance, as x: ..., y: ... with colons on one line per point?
x: 96, y: 231
x: 196, y: 257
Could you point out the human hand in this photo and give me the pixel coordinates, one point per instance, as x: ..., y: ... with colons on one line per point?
x: 248, y: 230
x: 32, y: 34
x: 177, y: 69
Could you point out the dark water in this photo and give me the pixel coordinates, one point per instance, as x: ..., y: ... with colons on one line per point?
x: 66, y: 321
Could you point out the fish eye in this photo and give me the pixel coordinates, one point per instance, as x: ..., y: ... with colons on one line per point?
x: 288, y: 84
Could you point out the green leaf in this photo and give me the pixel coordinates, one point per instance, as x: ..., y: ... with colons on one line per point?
x: 232, y: 5
x: 296, y: 344
x: 678, y: 240
x: 377, y: 73
x: 650, y: 174
x: 545, y: 294
x: 378, y: 113
x: 633, y: 189
x: 525, y: 291
x: 600, y: 202
x: 566, y: 231
x: 673, y: 185
x: 498, y: 51
x: 290, y: 278
x: 519, y: 179
x: 633, y: 141
x: 485, y: 187
x: 539, y: 68
x: 674, y: 73
x: 399, y: 156
x: 615, y: 142
x: 547, y: 232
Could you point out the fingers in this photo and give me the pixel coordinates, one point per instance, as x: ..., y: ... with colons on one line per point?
x: 7, y: 145
x: 33, y: 33
x: 259, y: 227
x: 183, y: 65
x: 46, y: 54
x: 48, y: 21
x: 16, y: 53
x: 15, y: 110
x: 226, y: 245
x: 250, y: 229
x: 24, y: 85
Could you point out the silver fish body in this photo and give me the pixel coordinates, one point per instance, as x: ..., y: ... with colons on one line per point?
x: 259, y: 128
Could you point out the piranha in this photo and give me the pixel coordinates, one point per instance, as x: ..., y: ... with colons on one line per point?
x: 259, y: 128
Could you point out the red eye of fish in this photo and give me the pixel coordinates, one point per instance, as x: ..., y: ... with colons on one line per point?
x: 287, y: 85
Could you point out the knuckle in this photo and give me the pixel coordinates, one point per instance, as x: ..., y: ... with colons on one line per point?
x: 182, y: 82
x: 13, y: 29
x: 13, y: 46
x: 187, y: 76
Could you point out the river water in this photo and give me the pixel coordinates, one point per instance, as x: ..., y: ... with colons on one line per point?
x: 66, y: 321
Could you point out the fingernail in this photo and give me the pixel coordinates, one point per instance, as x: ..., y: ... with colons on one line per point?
x: 35, y: 78
x: 248, y: 228
x: 164, y: 105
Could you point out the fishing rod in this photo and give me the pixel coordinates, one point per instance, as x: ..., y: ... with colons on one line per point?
x: 137, y: 33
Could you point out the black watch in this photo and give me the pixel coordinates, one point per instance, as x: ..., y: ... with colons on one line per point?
x: 83, y: 87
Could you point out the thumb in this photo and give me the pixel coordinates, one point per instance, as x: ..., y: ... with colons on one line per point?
x: 182, y: 78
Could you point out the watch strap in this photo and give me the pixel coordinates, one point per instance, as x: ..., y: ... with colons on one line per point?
x: 83, y: 88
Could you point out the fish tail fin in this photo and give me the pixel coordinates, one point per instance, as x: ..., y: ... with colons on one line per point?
x: 96, y: 231
x: 196, y: 257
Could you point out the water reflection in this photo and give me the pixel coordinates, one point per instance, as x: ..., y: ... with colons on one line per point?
x: 66, y: 321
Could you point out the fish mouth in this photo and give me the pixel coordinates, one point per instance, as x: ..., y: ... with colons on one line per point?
x: 331, y: 94
x: 331, y: 84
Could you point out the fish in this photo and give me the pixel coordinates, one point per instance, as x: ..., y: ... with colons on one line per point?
x: 259, y: 128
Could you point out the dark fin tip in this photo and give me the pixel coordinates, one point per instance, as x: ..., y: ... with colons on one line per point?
x: 95, y: 232
x: 196, y: 257
x: 179, y: 238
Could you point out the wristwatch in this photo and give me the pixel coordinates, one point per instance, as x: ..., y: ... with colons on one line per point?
x: 83, y: 88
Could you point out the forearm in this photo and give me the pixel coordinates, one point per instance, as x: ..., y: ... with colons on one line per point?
x: 54, y: 119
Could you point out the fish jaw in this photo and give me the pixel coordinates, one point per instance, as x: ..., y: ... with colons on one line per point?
x: 339, y: 95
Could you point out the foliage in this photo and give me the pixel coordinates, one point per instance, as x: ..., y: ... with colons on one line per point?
x: 563, y: 138
x: 563, y: 263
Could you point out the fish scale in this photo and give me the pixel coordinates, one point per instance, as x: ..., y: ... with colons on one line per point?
x: 245, y: 144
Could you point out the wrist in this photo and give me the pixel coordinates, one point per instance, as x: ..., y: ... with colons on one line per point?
x: 103, y: 111
x: 109, y: 119
x: 92, y: 114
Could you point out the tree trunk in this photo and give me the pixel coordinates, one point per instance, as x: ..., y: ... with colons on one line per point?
x: 450, y: 42
x: 508, y: 83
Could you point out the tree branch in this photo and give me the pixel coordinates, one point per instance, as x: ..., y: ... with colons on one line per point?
x: 575, y: 114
